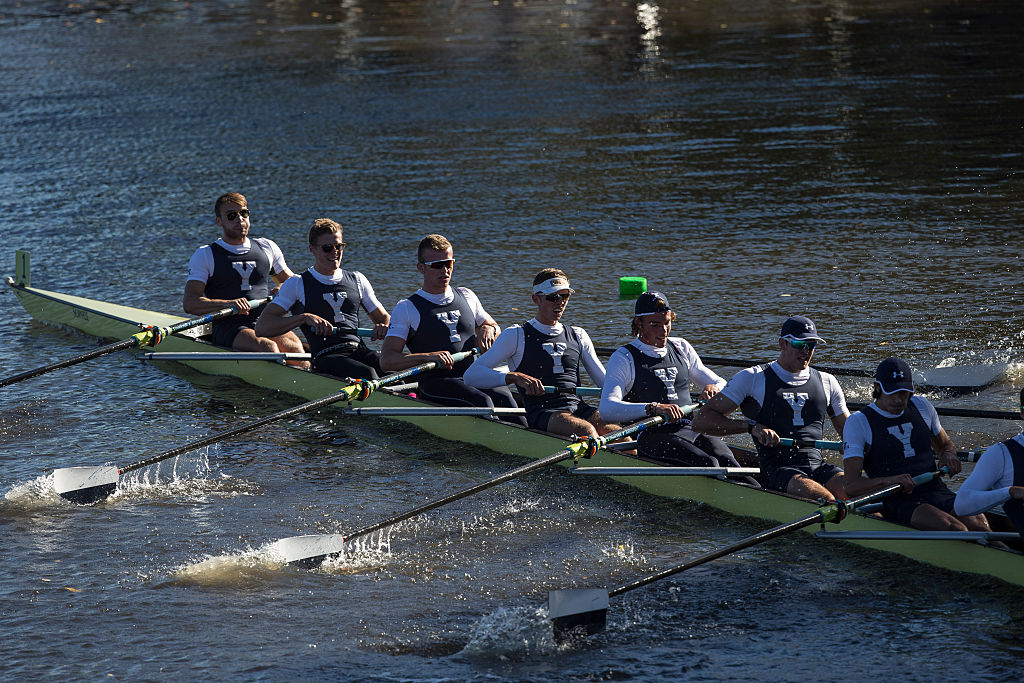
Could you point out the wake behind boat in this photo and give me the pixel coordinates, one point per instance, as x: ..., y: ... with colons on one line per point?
x: 107, y: 320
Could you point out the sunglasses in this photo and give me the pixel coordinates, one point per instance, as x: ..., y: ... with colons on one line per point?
x: 440, y: 263
x: 232, y: 215
x: 330, y: 248
x: 800, y: 345
x: 553, y: 298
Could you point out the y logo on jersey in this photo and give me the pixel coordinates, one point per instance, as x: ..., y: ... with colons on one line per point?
x: 668, y: 378
x: 796, y: 401
x: 336, y: 300
x: 451, y: 321
x: 903, y: 436
x: 245, y: 269
x: 556, y: 351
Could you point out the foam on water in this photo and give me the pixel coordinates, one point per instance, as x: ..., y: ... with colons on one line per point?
x: 33, y: 494
x: 511, y: 634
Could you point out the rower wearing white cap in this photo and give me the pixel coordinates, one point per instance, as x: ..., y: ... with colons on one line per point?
x: 896, y: 438
x: 651, y: 375
x: 997, y: 479
x: 785, y: 399
x: 543, y: 352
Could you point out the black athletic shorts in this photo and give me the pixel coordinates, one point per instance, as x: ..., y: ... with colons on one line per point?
x: 539, y: 416
x: 899, y: 507
x: 778, y: 479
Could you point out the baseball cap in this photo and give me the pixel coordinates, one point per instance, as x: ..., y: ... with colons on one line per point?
x: 799, y: 328
x: 651, y: 302
x: 893, y: 374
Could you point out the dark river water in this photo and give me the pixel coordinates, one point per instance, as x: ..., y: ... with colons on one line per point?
x: 858, y: 162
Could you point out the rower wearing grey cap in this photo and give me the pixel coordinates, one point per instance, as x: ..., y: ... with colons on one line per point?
x: 896, y: 438
x: 542, y: 352
x: 785, y: 399
x: 651, y: 375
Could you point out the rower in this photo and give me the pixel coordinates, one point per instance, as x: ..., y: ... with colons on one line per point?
x: 233, y: 270
x: 542, y: 352
x: 437, y: 321
x: 997, y: 479
x: 785, y: 399
x: 892, y: 440
x: 325, y: 303
x: 651, y: 375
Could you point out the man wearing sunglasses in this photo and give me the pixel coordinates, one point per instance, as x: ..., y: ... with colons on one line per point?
x: 896, y: 438
x: 650, y: 376
x: 325, y: 303
x: 437, y: 321
x: 543, y: 352
x: 230, y: 272
x: 785, y: 399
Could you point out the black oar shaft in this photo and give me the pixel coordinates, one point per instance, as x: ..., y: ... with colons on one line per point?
x: 826, y: 513
x: 740, y: 363
x: 137, y: 339
x: 552, y: 459
x: 241, y: 429
x: 961, y: 412
x: 346, y: 394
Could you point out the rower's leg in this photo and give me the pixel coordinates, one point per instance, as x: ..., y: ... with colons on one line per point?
x: 802, y: 486
x: 566, y: 424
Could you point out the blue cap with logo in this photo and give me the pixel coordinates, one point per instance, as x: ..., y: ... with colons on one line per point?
x: 649, y: 303
x: 893, y: 374
x: 799, y: 328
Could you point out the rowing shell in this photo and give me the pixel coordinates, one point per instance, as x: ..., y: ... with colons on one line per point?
x: 114, y: 321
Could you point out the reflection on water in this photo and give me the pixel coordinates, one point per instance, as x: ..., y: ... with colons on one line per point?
x: 855, y: 161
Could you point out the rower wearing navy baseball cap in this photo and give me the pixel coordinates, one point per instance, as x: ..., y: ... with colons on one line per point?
x: 651, y: 375
x: 896, y: 438
x: 786, y: 398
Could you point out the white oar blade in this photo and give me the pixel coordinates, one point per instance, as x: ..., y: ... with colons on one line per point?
x: 308, y: 551
x: 85, y: 485
x: 961, y: 378
x: 582, y: 611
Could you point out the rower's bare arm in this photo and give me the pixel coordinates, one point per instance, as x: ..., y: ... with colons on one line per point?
x: 858, y: 485
x: 531, y: 385
x: 195, y: 301
x: 713, y: 418
x: 273, y: 322
x: 839, y: 422
x: 381, y: 319
x: 486, y: 333
x: 946, y: 450
x: 282, y: 275
x: 393, y: 357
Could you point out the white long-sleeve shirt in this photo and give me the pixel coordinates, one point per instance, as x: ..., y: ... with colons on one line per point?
x: 621, y: 373
x: 989, y: 483
x: 508, y: 350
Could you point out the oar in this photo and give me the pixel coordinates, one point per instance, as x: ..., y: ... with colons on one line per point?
x: 442, y: 411
x: 311, y: 550
x: 958, y: 379
x: 961, y: 412
x: 90, y: 484
x: 585, y: 610
x: 579, y: 391
x: 149, y: 336
x: 963, y: 456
